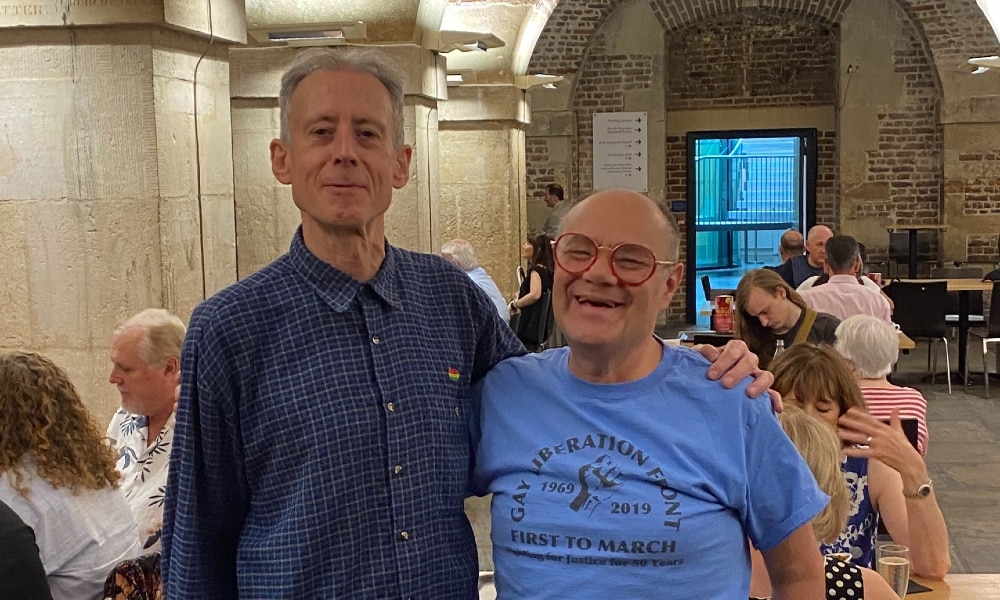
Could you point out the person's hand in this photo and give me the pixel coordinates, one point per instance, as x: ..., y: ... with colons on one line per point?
x: 512, y: 309
x: 868, y: 437
x: 734, y: 362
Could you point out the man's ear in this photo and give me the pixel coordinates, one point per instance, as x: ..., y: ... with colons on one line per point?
x: 172, y: 366
x: 401, y: 167
x: 280, y: 162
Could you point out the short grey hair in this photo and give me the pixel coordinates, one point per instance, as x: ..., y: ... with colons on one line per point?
x: 164, y: 335
x: 870, y: 343
x: 460, y: 252
x: 349, y: 58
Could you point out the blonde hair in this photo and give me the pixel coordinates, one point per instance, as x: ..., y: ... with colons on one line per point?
x: 821, y: 449
x: 164, y: 335
x: 44, y: 418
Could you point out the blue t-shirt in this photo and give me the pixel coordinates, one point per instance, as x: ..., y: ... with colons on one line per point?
x: 640, y: 489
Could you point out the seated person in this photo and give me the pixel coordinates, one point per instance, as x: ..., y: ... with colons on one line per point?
x: 146, y: 370
x: 885, y: 475
x: 58, y: 474
x: 616, y: 466
x: 871, y: 347
x: 797, y: 269
x: 820, y: 448
x: 21, y: 573
x: 768, y: 309
x: 843, y: 295
x: 461, y: 254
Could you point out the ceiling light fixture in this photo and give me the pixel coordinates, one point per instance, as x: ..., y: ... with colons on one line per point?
x: 525, y: 82
x: 311, y: 34
x: 464, y: 41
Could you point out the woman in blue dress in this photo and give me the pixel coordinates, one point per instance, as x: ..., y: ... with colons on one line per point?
x: 886, y: 477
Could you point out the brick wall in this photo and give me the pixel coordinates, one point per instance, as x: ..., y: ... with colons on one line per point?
x: 952, y: 30
x: 742, y: 59
x: 603, y: 81
x: 540, y: 171
x: 909, y: 158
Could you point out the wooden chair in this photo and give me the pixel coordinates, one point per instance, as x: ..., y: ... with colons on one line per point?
x: 919, y: 312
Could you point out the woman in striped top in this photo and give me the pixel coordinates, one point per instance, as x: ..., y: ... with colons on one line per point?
x: 871, y: 347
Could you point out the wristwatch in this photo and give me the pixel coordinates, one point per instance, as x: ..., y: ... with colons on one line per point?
x: 922, y: 492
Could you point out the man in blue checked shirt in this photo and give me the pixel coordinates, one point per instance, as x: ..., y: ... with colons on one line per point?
x: 322, y: 448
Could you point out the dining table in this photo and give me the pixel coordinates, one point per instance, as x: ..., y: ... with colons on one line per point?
x: 963, y: 287
x: 960, y: 586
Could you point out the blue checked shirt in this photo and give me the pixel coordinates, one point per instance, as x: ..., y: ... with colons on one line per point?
x: 322, y: 448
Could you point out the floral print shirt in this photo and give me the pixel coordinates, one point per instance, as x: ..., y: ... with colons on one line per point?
x: 144, y: 471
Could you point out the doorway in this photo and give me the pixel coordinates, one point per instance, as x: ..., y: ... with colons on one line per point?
x: 744, y: 189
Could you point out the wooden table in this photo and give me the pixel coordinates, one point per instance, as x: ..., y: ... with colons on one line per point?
x: 963, y: 287
x: 913, y: 229
x: 960, y: 587
x: 905, y: 343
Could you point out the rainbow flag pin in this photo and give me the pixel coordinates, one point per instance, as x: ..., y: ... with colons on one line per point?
x: 453, y: 373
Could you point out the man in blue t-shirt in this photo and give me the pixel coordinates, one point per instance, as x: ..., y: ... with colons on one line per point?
x: 615, y: 465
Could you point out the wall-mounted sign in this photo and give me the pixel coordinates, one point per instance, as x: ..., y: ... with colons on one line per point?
x: 620, y: 151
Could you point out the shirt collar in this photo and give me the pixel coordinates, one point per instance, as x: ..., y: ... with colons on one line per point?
x: 337, y: 288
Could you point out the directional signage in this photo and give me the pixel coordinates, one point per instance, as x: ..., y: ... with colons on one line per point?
x: 620, y: 151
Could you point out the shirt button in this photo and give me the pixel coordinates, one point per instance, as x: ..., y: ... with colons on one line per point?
x: 404, y: 535
x: 458, y: 411
x: 391, y: 406
x: 397, y: 469
x: 375, y: 339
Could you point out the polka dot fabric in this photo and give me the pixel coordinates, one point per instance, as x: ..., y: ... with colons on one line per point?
x: 843, y: 580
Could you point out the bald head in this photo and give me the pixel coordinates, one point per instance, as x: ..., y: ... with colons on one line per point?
x: 792, y: 244
x: 816, y: 244
x: 620, y: 206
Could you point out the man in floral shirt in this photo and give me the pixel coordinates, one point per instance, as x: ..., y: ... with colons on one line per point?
x: 145, y: 357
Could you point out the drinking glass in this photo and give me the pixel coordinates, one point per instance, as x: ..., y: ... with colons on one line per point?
x: 893, y: 562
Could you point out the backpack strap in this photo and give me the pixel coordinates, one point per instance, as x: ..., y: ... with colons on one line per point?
x: 807, y: 324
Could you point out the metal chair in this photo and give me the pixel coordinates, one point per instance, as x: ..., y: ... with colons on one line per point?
x: 919, y: 312
x: 992, y: 335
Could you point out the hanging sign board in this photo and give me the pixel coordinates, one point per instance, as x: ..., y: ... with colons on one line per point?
x: 620, y: 151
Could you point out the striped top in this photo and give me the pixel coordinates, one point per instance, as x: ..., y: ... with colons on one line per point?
x: 911, y: 405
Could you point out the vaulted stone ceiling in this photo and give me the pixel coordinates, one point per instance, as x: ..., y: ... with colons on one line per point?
x: 517, y: 22
x: 551, y: 36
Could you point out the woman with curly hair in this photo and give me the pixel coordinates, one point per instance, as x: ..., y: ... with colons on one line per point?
x: 58, y: 474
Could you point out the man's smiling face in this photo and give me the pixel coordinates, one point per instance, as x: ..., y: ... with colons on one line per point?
x: 594, y: 308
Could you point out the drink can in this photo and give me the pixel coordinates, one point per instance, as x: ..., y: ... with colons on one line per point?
x: 724, y: 313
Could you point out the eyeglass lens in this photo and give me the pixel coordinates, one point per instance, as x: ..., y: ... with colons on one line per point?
x: 631, y: 263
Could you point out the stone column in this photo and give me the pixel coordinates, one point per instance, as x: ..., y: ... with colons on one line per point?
x: 483, y: 176
x: 106, y: 208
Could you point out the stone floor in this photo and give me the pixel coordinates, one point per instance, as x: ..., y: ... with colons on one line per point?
x: 963, y: 459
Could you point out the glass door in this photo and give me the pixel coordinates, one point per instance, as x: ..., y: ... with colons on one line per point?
x: 744, y: 188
